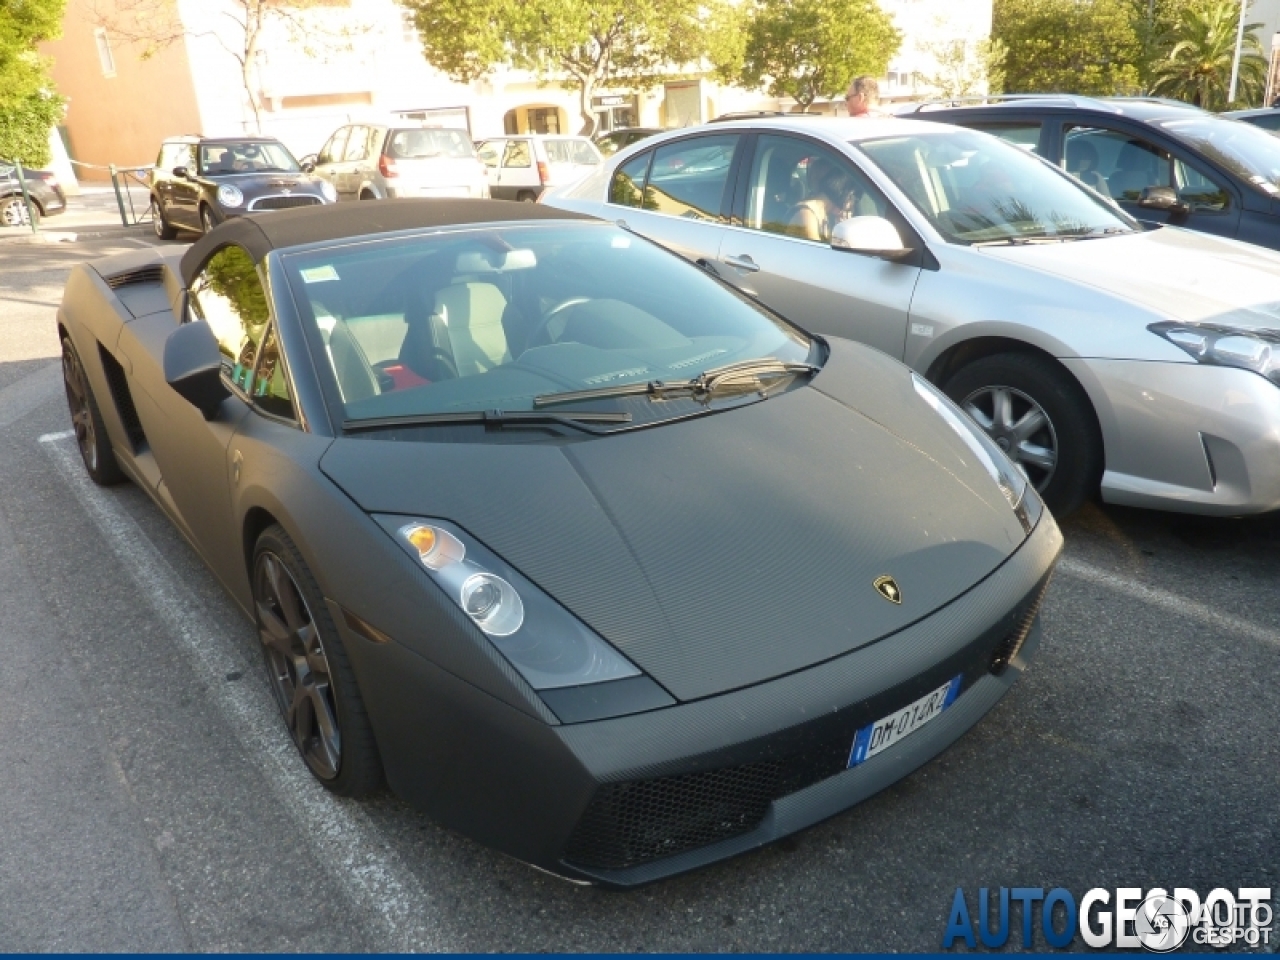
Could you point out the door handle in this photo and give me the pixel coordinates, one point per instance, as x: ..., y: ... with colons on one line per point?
x: 743, y: 263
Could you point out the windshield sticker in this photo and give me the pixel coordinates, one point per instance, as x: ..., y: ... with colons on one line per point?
x: 318, y: 274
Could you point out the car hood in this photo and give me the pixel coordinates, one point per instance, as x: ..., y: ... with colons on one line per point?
x: 1187, y: 276
x: 728, y: 549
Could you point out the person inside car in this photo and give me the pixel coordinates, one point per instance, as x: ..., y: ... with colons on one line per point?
x: 830, y: 199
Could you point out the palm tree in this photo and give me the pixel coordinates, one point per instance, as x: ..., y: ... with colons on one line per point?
x: 1197, y: 67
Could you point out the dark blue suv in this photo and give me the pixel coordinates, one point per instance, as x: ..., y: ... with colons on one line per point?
x: 1161, y: 160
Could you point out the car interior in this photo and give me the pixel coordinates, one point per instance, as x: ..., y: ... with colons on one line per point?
x: 481, y: 323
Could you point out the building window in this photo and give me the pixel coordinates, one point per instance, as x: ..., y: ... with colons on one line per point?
x: 409, y: 27
x: 544, y: 120
x: 104, y: 52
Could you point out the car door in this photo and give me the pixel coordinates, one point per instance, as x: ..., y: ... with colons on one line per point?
x: 357, y: 149
x: 329, y: 159
x: 183, y: 204
x: 679, y: 193
x: 766, y: 253
x: 516, y: 172
x: 1121, y: 162
x: 190, y: 451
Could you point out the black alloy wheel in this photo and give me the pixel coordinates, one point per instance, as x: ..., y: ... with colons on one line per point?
x: 86, y: 420
x: 1041, y: 417
x: 163, y: 228
x: 309, y: 672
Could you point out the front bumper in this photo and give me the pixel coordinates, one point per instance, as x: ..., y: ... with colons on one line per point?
x: 557, y: 796
x: 1186, y: 437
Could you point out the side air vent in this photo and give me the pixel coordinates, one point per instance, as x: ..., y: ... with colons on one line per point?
x: 152, y: 273
x: 123, y: 400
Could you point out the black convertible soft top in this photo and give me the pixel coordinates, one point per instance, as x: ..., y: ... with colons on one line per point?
x: 291, y: 228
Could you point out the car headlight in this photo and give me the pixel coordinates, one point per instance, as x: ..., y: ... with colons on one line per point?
x: 1223, y: 346
x: 328, y: 192
x: 549, y: 647
x: 229, y: 195
x: 1008, y: 477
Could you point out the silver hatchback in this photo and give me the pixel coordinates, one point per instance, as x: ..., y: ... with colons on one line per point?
x: 368, y: 161
x: 1096, y: 352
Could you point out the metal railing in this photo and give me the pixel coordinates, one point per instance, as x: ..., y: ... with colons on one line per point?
x: 126, y: 178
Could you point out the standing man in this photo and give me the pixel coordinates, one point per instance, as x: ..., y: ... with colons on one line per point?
x: 863, y: 98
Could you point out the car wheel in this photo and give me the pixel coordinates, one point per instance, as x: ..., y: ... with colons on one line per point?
x: 13, y: 212
x: 91, y: 434
x: 525, y: 196
x: 207, y: 222
x: 163, y: 228
x: 309, y: 672
x: 1037, y: 413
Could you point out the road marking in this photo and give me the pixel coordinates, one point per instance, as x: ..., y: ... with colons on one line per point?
x: 22, y: 396
x: 1156, y: 597
x: 346, y: 840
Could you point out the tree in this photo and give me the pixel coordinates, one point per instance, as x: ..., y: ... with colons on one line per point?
x: 811, y: 49
x: 1068, y: 46
x: 967, y: 69
x: 28, y: 105
x: 239, y: 27
x: 584, y: 45
x: 1201, y: 47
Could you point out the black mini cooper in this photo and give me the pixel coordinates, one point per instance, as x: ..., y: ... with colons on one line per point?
x: 198, y: 182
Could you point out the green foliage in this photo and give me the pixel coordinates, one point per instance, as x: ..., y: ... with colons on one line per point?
x: 28, y: 107
x: 1200, y: 49
x: 811, y: 49
x: 1069, y: 46
x: 582, y: 44
x: 967, y: 70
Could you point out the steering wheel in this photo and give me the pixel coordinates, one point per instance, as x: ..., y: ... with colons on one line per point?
x: 540, y: 331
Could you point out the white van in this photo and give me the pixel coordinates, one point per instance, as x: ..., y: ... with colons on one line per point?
x: 522, y: 166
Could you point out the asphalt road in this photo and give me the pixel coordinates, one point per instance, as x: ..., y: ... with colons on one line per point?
x: 151, y: 799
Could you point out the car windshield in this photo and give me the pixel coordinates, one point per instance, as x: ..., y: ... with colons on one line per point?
x: 488, y: 318
x: 571, y: 151
x: 419, y: 144
x: 1246, y: 150
x: 975, y: 188
x: 220, y: 159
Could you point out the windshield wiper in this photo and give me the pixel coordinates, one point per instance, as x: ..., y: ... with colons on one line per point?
x: 577, y: 420
x: 746, y: 373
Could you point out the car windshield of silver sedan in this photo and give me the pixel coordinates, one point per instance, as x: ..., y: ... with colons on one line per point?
x: 225, y: 159
x: 1250, y: 152
x: 976, y: 189
x: 507, y: 323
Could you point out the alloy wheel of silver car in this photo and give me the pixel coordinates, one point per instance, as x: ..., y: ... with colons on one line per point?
x: 1020, y: 427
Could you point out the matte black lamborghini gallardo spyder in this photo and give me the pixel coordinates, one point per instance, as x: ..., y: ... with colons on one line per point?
x: 581, y: 551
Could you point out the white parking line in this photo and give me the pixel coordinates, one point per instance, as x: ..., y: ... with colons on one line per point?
x: 342, y: 833
x: 1156, y: 597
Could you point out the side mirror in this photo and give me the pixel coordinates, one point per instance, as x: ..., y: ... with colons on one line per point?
x: 308, y: 163
x: 1162, y: 198
x: 874, y: 236
x: 193, y: 367
x: 181, y: 173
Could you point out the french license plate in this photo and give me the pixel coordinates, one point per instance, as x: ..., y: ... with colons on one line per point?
x: 883, y: 734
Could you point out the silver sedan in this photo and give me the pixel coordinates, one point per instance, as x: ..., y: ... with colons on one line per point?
x: 1100, y: 354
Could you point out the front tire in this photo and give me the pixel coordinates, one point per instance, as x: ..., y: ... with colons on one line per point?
x: 309, y: 672
x: 207, y: 221
x: 1038, y: 414
x: 86, y: 420
x: 13, y: 212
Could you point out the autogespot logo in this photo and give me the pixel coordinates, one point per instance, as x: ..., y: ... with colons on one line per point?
x: 1157, y: 920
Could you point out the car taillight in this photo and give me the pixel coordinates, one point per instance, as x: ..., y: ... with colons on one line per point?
x: 544, y: 175
x: 387, y: 167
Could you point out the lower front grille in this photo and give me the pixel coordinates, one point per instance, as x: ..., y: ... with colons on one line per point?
x: 283, y: 203
x: 1011, y: 644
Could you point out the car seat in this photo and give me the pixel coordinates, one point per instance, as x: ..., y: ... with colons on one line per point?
x: 1137, y: 167
x: 426, y: 349
x: 356, y: 378
x: 472, y: 315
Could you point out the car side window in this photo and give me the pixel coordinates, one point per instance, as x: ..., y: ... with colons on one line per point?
x: 489, y: 153
x: 1199, y: 191
x: 334, y: 149
x: 517, y: 154
x: 357, y: 142
x: 800, y: 189
x: 1115, y: 163
x: 688, y: 178
x: 1025, y: 135
x: 269, y: 386
x: 228, y: 295
x: 627, y: 186
x: 180, y: 155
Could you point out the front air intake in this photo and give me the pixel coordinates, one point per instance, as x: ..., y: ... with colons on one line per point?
x: 1008, y: 648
